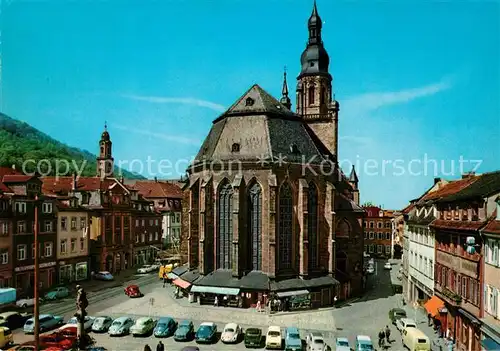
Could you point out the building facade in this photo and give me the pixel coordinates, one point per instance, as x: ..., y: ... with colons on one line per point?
x: 377, y: 227
x: 73, y: 259
x: 146, y: 232
x: 278, y: 225
x: 6, y: 253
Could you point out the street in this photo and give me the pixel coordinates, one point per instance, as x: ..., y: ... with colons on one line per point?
x: 365, y: 315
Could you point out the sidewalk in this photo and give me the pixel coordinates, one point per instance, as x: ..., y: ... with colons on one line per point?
x: 420, y: 317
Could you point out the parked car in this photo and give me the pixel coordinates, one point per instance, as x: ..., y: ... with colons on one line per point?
x: 165, y: 327
x: 342, y: 344
x: 231, y: 333
x: 87, y: 324
x: 101, y: 324
x: 273, y: 337
x: 104, y: 275
x: 57, y: 340
x: 68, y: 331
x: 146, y: 269
x: 57, y: 293
x: 120, y: 326
x: 13, y: 320
x: 46, y: 321
x: 133, y: 291
x: 143, y: 326
x: 395, y: 314
x: 363, y: 343
x: 404, y: 323
x: 316, y: 342
x: 253, y: 337
x: 185, y: 331
x: 206, y: 332
x: 6, y: 337
x: 293, y: 342
x: 388, y: 266
x: 27, y: 302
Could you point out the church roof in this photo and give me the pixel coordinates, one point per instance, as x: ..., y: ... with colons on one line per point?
x: 258, y: 127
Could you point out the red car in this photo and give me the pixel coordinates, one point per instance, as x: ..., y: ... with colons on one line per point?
x: 67, y: 332
x: 133, y: 291
x: 57, y: 340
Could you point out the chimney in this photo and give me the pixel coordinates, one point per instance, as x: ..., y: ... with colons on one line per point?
x: 74, y: 184
x: 437, y: 180
x: 468, y: 175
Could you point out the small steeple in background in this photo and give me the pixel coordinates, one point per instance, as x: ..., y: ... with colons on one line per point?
x: 285, y: 100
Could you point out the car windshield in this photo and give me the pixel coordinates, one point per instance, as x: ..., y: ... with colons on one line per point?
x: 341, y: 343
x: 162, y: 325
x: 205, y: 329
x: 29, y: 322
x: 72, y: 321
x: 274, y: 333
x: 143, y: 322
x: 320, y: 341
x: 100, y: 320
x: 117, y: 323
x: 229, y: 330
x: 294, y: 336
x: 366, y: 346
x: 252, y: 332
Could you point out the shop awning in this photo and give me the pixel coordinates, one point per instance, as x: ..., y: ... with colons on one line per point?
x: 172, y: 276
x: 489, y: 344
x: 292, y: 293
x: 215, y: 290
x: 433, y: 305
x: 181, y: 283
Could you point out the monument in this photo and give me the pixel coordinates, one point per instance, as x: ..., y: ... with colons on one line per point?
x: 83, y: 340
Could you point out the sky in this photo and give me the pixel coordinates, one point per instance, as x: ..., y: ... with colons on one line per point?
x: 417, y: 81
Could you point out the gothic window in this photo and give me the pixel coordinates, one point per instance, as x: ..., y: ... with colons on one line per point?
x: 343, y: 228
x: 311, y: 95
x: 249, y: 101
x: 102, y: 150
x: 285, y: 227
x: 312, y: 223
x: 255, y: 225
x: 224, y: 226
x: 322, y: 95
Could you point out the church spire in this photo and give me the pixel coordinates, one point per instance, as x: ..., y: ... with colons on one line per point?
x: 285, y: 100
x: 314, y: 24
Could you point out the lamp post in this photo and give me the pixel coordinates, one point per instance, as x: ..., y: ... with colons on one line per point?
x: 37, y: 280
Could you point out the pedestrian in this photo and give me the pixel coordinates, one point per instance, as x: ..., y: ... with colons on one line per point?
x: 216, y: 301
x: 388, y: 334
x: 147, y: 348
x: 381, y: 336
x: 160, y: 346
x: 258, y: 306
x: 429, y: 319
x: 164, y: 279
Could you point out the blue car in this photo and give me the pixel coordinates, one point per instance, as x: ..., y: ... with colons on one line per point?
x: 293, y: 342
x: 206, y: 332
x: 184, y: 332
x: 46, y: 322
x: 165, y: 327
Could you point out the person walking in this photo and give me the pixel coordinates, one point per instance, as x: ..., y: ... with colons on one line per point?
x: 147, y: 348
x: 388, y: 334
x: 429, y: 319
x: 216, y: 301
x: 160, y: 346
x: 381, y: 336
x: 164, y: 279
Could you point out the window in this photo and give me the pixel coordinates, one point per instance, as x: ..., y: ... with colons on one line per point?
x: 311, y: 95
x: 464, y: 287
x: 150, y: 237
x: 48, y: 249
x: 388, y: 249
x: 4, y: 228
x: 156, y: 236
x: 47, y: 207
x: 225, y: 226
x: 21, y: 227
x: 380, y: 248
x: 63, y: 246
x: 137, y: 238
x: 372, y: 235
x: 285, y: 233
x: 235, y: 147
x: 83, y: 222
x: 372, y: 225
x: 387, y: 224
x: 136, y: 222
x: 255, y: 225
x: 379, y: 224
x: 156, y: 222
x: 47, y: 226
x: 312, y: 222
x: 372, y: 248
x: 20, y: 207
x: 73, y: 223
x: 82, y: 244
x: 143, y: 222
x: 21, y: 252
x: 143, y: 238
x: 387, y: 236
x: 366, y: 235
x: 151, y: 222
x: 495, y: 254
x: 64, y: 223
x: 494, y: 301
x: 4, y: 257
x: 73, y: 245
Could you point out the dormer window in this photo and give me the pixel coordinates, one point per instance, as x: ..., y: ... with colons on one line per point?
x: 249, y: 101
x: 235, y: 147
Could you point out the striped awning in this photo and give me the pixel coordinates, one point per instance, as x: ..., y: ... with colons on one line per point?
x: 181, y: 283
x: 215, y: 290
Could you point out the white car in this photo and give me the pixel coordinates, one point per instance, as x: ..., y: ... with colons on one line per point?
x: 388, y: 266
x: 146, y: 269
x: 231, y: 333
x: 316, y: 342
x: 370, y: 270
x: 73, y: 322
x: 26, y: 302
x: 273, y: 337
x: 404, y: 323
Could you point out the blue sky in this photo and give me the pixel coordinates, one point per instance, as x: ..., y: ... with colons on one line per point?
x: 415, y: 80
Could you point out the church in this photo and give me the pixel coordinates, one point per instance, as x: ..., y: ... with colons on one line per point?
x: 270, y: 214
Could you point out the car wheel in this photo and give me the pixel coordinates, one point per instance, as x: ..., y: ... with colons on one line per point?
x: 24, y: 305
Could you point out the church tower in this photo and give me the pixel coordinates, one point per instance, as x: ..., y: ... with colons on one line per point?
x: 315, y: 99
x: 105, y: 161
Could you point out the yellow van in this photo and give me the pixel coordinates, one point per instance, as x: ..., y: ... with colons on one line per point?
x: 5, y: 337
x: 415, y: 340
x: 165, y: 269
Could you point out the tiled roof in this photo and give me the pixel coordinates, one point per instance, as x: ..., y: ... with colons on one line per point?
x: 484, y: 185
x: 63, y: 185
x: 343, y: 203
x: 4, y: 188
x: 448, y: 189
x: 157, y: 189
x: 16, y: 178
x: 408, y: 208
x: 493, y: 225
x: 456, y: 225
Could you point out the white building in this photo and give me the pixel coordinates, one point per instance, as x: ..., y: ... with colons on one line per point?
x: 171, y: 226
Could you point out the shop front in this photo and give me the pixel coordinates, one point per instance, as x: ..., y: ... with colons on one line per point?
x: 73, y: 270
x: 182, y: 287
x: 468, y: 336
x: 218, y: 296
x: 25, y: 277
x: 435, y: 307
x: 490, y: 334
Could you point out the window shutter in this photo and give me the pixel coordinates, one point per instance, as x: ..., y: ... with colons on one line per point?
x: 486, y: 298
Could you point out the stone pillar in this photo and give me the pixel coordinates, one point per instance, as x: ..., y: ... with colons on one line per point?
x: 236, y: 264
x: 271, y: 258
x: 302, y: 220
x: 330, y: 221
